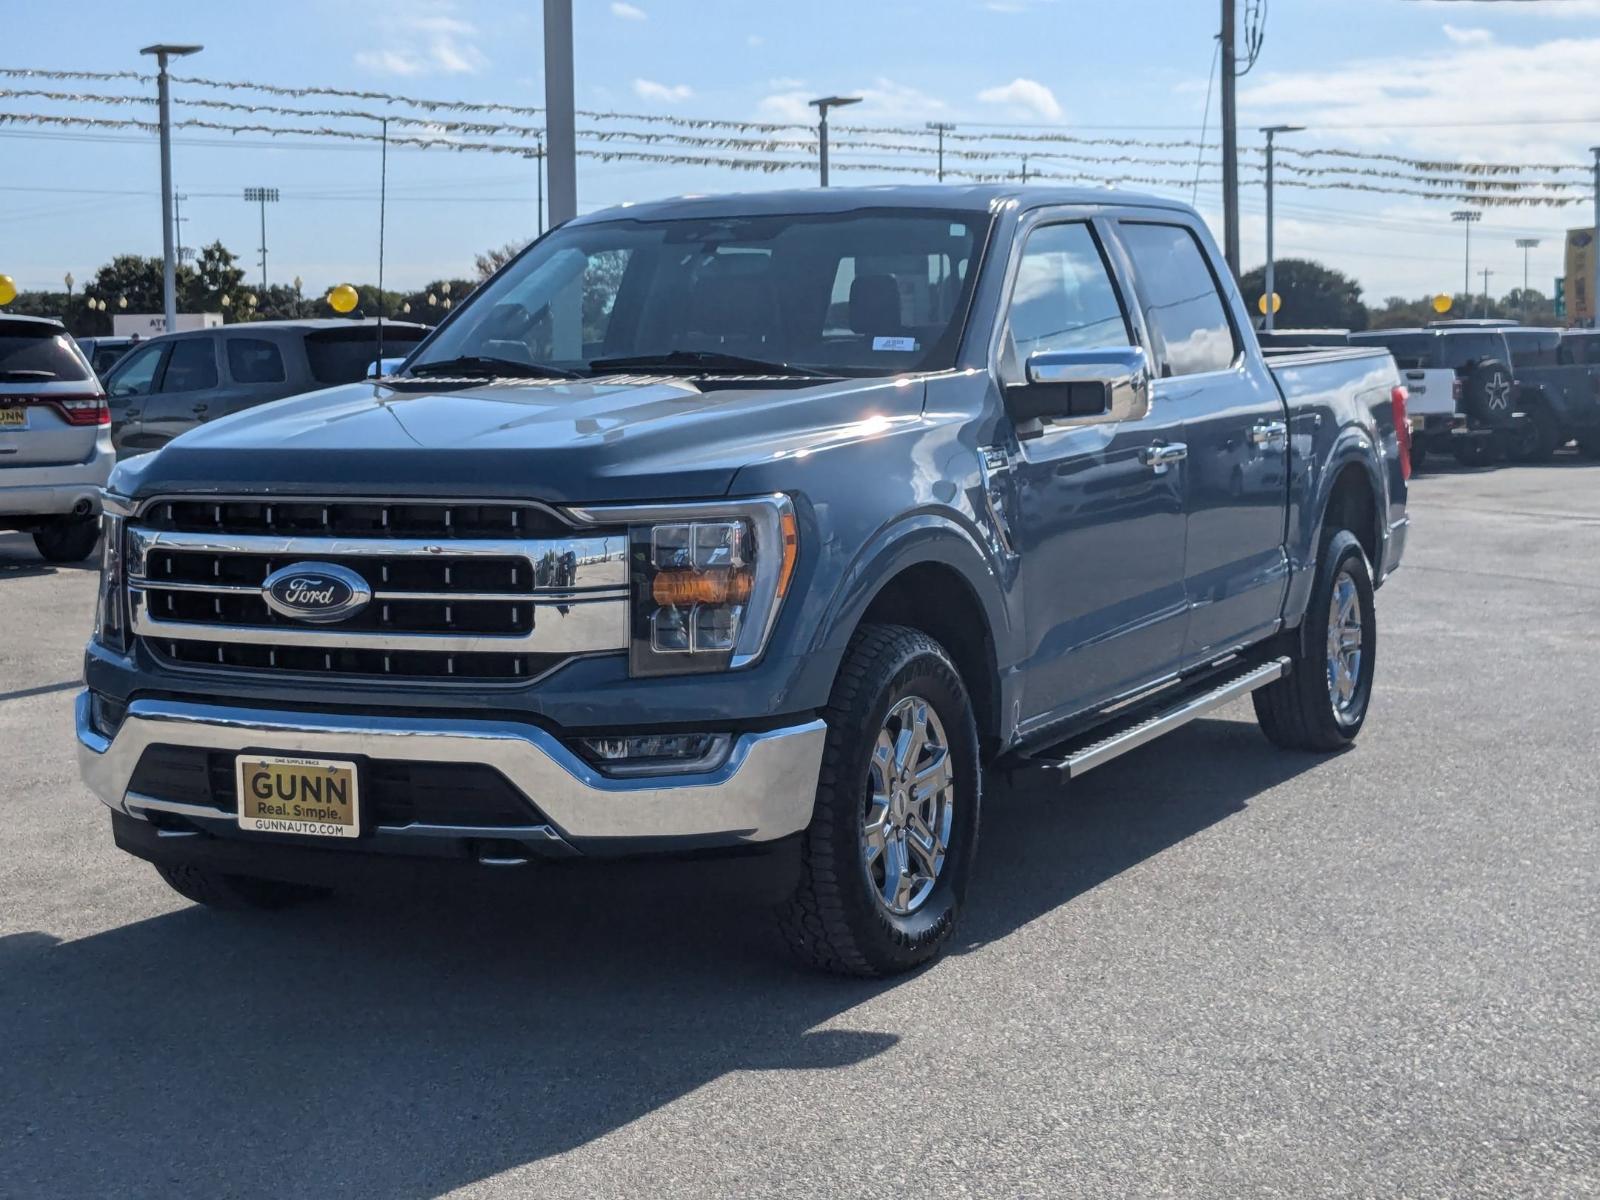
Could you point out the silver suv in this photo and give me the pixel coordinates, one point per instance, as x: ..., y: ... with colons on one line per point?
x: 55, y: 439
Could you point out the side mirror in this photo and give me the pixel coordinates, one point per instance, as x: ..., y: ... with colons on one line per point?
x: 383, y: 366
x: 1112, y: 383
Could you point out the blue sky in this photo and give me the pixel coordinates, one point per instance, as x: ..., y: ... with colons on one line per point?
x: 1357, y: 71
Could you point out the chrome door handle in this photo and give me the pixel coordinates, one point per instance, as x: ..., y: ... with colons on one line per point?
x: 1263, y: 435
x: 1163, y: 454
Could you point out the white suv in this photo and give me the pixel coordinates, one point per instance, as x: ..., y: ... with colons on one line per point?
x: 55, y: 439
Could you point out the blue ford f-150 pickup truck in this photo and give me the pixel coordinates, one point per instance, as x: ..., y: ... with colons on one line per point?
x: 750, y: 527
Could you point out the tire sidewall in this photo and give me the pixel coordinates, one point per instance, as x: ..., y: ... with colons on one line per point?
x: 1344, y: 555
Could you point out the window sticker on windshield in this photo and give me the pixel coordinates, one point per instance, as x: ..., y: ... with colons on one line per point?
x: 894, y: 343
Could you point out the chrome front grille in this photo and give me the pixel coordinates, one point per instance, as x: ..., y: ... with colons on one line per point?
x: 454, y: 594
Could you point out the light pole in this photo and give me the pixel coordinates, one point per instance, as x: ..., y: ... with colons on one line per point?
x: 1230, y: 142
x: 822, y: 106
x: 1271, y: 279
x: 262, y: 196
x: 1467, y: 216
x: 941, y: 128
x: 1594, y: 276
x: 560, y: 129
x: 1486, y: 273
x: 169, y: 266
x: 1525, y: 244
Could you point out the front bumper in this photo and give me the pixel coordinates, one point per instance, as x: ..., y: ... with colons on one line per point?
x: 50, y: 491
x: 764, y: 791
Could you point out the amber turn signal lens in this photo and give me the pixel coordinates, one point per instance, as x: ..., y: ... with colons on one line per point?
x: 680, y: 589
x: 790, y: 532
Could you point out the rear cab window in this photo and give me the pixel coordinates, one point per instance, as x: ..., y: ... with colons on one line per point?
x: 254, y: 360
x: 1181, y: 298
x: 1412, y: 351
x: 344, y: 355
x: 35, y: 353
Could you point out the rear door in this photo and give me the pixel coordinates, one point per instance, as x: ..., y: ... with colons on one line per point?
x: 1099, y: 523
x: 45, y: 386
x: 1235, y: 425
x: 189, y: 385
x: 254, y: 373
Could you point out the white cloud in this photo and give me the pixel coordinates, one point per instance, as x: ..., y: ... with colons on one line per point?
x: 1468, y: 37
x: 884, y: 100
x: 629, y: 12
x: 1025, y: 96
x: 427, y: 42
x: 755, y: 39
x: 661, y: 93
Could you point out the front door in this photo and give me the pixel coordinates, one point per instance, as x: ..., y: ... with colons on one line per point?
x: 130, y: 386
x: 1235, y: 424
x: 1099, y: 522
x: 188, y: 389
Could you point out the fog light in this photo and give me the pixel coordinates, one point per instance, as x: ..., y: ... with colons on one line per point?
x: 656, y: 753
x: 106, y: 715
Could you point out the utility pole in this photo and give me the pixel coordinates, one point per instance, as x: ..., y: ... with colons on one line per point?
x: 177, y: 220
x: 1594, y: 274
x: 822, y: 106
x: 262, y: 196
x: 1271, y: 280
x: 169, y: 267
x: 1467, y: 216
x: 1024, y: 168
x: 1525, y: 244
x: 560, y: 127
x: 1486, y: 273
x: 941, y: 128
x: 1230, y: 145
x: 538, y: 154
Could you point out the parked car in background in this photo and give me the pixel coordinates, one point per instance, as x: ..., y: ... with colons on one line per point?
x: 1300, y: 339
x: 179, y: 381
x: 104, y: 353
x: 1461, y: 392
x: 55, y: 440
x: 1557, y: 374
x: 756, y: 552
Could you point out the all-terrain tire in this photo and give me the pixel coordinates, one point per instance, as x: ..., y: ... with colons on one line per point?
x: 1537, y: 437
x: 1298, y: 712
x: 835, y: 919
x: 234, y: 892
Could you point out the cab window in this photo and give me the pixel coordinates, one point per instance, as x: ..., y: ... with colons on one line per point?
x: 1063, y: 299
x: 1182, y: 301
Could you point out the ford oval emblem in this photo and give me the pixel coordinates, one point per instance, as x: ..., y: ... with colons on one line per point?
x: 320, y: 593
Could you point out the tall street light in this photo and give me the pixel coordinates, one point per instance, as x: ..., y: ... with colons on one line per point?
x: 262, y: 196
x: 561, y: 139
x: 1525, y: 244
x: 1271, y: 279
x: 169, y: 266
x: 822, y: 106
x: 1594, y: 260
x: 1467, y: 216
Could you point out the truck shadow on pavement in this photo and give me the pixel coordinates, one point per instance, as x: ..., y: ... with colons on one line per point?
x: 406, y: 1045
x: 19, y: 560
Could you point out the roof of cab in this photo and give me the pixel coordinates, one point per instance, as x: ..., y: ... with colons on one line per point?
x: 21, y: 319
x: 976, y: 198
x: 293, y: 325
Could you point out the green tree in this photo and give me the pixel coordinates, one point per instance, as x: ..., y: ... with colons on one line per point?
x: 491, y: 261
x: 216, y: 284
x: 1314, y: 296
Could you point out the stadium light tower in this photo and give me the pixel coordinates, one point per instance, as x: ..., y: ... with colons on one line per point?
x: 1467, y: 216
x: 262, y: 196
x: 169, y: 266
x: 1271, y: 279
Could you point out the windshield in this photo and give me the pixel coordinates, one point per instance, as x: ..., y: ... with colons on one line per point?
x: 869, y: 292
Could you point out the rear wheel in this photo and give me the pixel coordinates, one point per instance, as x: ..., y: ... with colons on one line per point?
x: 68, y: 539
x: 1473, y: 451
x: 1322, y: 703
x: 234, y: 892
x: 1535, y: 438
x: 887, y: 856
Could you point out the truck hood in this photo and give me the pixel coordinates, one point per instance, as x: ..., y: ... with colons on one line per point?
x: 579, y: 441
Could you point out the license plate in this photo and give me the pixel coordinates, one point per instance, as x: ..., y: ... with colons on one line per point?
x: 13, y: 418
x: 315, y: 796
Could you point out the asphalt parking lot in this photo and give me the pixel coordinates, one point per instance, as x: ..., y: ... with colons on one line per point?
x: 1213, y: 969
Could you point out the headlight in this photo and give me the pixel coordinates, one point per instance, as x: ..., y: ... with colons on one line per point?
x: 707, y: 581
x: 111, y: 611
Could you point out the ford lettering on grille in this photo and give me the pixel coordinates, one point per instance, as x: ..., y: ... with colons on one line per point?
x: 320, y: 593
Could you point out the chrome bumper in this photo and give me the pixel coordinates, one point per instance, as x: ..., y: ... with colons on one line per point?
x: 765, y: 789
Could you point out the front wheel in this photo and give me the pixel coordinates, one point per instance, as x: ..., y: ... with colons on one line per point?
x: 887, y: 856
x: 1322, y: 703
x: 1536, y: 438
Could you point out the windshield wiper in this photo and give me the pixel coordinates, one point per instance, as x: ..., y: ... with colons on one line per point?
x: 490, y: 367
x: 700, y: 360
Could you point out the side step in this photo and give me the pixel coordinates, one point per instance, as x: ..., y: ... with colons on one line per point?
x: 1070, y: 761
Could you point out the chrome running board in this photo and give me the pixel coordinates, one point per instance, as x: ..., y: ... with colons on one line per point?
x: 1073, y: 762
